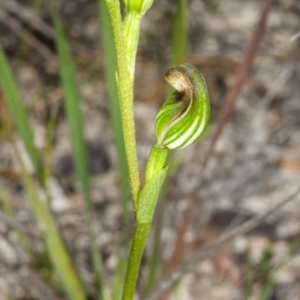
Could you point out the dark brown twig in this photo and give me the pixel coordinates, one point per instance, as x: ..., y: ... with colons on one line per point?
x: 167, y: 282
x: 17, y: 28
x: 28, y: 16
x: 240, y: 77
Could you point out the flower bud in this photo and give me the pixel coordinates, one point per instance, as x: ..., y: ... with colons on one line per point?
x: 185, y: 115
x: 138, y: 6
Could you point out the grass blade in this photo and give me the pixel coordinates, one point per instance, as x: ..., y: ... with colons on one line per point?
x: 270, y: 284
x: 179, y: 41
x: 112, y: 90
x: 55, y: 246
x: 18, y: 113
x: 71, y: 99
x: 8, y: 211
x: 116, y: 287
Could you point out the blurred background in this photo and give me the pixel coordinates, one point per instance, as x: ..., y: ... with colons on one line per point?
x: 249, y: 159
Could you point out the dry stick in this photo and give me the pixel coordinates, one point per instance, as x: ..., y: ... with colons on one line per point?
x: 240, y: 77
x: 18, y: 29
x: 230, y: 99
x: 28, y: 16
x: 207, y: 251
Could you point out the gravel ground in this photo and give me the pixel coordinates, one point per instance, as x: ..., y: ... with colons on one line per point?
x: 256, y: 162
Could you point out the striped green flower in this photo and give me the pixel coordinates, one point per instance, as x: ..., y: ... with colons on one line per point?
x: 185, y: 115
x: 138, y: 6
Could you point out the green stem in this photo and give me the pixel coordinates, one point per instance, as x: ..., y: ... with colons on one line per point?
x: 110, y: 62
x: 156, y: 172
x: 140, y: 235
x: 125, y: 90
x: 131, y: 34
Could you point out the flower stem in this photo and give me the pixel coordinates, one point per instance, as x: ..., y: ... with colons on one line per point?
x: 140, y: 235
x: 157, y: 168
x: 131, y: 35
x: 125, y: 90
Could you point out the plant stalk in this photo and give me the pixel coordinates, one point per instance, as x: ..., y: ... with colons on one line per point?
x: 125, y: 90
x: 156, y: 171
x: 131, y: 29
x: 110, y: 62
x: 140, y: 235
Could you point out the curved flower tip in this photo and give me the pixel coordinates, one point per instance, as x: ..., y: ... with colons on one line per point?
x: 185, y: 115
x: 138, y: 6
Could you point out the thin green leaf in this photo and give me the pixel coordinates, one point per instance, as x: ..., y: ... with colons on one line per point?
x: 71, y: 100
x: 5, y: 205
x: 179, y: 41
x: 153, y: 264
x: 57, y: 251
x: 270, y: 284
x: 18, y: 113
x: 117, y: 283
x: 7, y: 209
